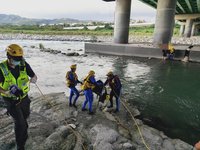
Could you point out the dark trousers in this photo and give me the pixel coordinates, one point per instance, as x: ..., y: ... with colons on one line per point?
x: 19, y: 112
x: 116, y: 94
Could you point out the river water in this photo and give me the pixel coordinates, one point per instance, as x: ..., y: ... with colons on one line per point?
x: 166, y: 93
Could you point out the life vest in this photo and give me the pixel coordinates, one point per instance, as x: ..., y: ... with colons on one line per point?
x: 22, y: 81
x: 69, y: 82
x: 171, y: 48
x: 87, y: 84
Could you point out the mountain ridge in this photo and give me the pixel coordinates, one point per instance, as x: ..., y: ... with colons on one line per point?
x: 18, y: 20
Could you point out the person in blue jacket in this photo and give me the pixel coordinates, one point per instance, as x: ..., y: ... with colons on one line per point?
x: 88, y: 85
x: 115, y: 85
x: 72, y: 80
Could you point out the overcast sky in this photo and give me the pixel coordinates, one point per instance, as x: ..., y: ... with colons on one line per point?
x: 77, y: 9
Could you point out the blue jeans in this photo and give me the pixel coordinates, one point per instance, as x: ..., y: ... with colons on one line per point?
x: 88, y: 98
x: 73, y: 91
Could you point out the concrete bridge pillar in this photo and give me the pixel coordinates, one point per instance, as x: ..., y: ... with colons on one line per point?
x: 122, y: 19
x: 198, y: 29
x: 188, y: 28
x: 194, y: 28
x: 164, y: 21
x: 182, y: 29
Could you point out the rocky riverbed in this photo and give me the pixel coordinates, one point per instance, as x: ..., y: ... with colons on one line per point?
x: 55, y: 126
x: 87, y: 38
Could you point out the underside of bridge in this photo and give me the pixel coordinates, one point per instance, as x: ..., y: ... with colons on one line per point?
x: 186, y: 12
x: 182, y: 6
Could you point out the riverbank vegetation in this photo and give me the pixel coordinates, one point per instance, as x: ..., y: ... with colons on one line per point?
x: 58, y: 30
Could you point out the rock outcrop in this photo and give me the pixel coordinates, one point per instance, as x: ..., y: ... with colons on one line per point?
x: 55, y: 126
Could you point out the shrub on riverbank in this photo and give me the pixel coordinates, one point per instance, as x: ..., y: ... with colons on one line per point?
x: 58, y: 30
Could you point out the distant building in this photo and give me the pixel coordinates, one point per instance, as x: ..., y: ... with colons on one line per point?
x: 42, y: 25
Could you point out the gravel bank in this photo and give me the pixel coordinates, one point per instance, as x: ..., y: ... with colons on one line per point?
x: 87, y: 38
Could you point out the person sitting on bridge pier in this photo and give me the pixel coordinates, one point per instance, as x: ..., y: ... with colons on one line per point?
x: 187, y: 53
x: 115, y: 85
x: 168, y: 51
x: 171, y: 52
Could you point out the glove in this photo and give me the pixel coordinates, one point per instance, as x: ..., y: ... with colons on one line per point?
x: 7, y: 93
x: 14, y: 90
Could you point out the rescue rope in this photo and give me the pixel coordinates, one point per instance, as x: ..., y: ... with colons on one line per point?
x: 138, y: 128
x: 78, y: 136
x: 143, y: 141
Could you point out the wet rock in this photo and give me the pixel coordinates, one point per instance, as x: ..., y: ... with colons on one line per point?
x: 180, y: 145
x: 75, y: 114
x: 41, y: 46
x: 124, y: 132
x: 109, y: 116
x: 55, y: 51
x: 84, y: 55
x: 51, y: 127
x: 56, y: 142
x: 73, y: 126
x: 64, y: 54
x: 72, y: 54
x: 128, y: 146
x: 103, y: 137
x: 167, y: 145
x: 152, y: 137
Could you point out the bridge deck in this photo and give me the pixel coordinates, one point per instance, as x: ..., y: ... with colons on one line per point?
x: 182, y: 6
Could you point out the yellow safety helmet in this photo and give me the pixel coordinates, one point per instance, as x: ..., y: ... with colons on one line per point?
x: 109, y: 73
x: 170, y: 46
x: 14, y: 50
x: 73, y: 66
x: 91, y: 72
